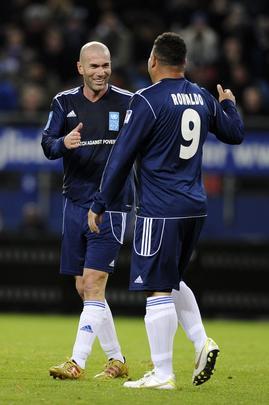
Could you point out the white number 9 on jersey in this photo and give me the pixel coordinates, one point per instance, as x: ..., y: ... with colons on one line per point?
x: 190, y: 129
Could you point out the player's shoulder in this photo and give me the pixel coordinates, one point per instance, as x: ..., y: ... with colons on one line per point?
x: 148, y: 91
x: 68, y: 93
x: 207, y: 97
x: 150, y: 95
x: 120, y: 92
x: 205, y: 92
x: 192, y: 87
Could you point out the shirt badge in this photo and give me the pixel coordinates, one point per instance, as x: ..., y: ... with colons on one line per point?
x: 114, y: 121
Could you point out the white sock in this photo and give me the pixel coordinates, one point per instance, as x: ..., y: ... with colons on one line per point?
x: 107, y: 336
x: 161, y: 325
x: 189, y: 316
x: 91, y: 320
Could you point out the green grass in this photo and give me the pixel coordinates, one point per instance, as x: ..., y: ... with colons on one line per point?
x: 31, y: 344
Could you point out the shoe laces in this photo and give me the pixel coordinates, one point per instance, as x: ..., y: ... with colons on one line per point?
x: 148, y: 374
x: 69, y: 365
x: 111, y: 368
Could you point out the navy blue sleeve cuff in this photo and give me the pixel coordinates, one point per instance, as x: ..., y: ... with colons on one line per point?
x: 98, y: 208
x: 60, y: 145
x: 227, y: 103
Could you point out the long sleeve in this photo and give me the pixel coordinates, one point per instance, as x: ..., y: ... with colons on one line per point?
x: 226, y: 122
x: 53, y: 134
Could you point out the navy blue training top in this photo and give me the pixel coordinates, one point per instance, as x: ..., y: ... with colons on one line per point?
x: 83, y: 166
x: 164, y: 131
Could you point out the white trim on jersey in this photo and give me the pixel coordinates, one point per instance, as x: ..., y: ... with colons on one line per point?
x: 49, y: 120
x: 121, y: 91
x: 123, y: 225
x: 150, y: 106
x: 145, y: 88
x: 56, y: 99
x: 65, y: 204
x: 143, y: 236
x: 192, y: 216
x: 215, y: 109
x: 146, y: 237
x: 118, y: 212
x: 70, y: 91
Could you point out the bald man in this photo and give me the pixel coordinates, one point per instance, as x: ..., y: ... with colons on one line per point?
x: 82, y: 127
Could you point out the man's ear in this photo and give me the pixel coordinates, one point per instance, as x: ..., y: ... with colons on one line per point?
x: 154, y: 61
x: 80, y: 68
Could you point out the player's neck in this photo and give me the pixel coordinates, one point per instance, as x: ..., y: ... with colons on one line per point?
x: 94, y: 96
x: 168, y: 74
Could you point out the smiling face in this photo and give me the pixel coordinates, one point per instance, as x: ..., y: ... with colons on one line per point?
x: 95, y: 67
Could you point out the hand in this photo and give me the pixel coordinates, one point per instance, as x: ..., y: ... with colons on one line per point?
x: 94, y: 220
x: 225, y: 94
x: 72, y: 140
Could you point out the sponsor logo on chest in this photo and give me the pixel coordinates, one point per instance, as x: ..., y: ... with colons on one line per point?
x: 114, y: 121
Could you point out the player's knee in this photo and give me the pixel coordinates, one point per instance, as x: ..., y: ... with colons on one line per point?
x: 94, y: 283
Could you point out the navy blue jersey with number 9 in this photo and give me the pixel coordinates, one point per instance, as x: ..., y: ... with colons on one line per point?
x: 165, y: 128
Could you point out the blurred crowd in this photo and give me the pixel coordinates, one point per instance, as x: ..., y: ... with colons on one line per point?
x: 228, y: 42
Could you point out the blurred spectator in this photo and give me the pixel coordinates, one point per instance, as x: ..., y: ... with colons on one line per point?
x: 201, y: 41
x: 54, y: 55
x: 232, y: 51
x: 239, y: 24
x: 60, y: 9
x: 179, y: 12
x: 218, y: 12
x: 145, y: 28
x: 12, y: 54
x: 263, y: 36
x: 75, y: 30
x: 36, y: 19
x: 228, y: 41
x: 253, y: 102
x: 33, y: 99
x: 202, y: 45
x: 117, y: 38
x: 232, y: 68
x: 239, y: 80
x: 8, y: 95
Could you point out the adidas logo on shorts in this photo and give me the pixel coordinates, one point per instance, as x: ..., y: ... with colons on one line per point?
x: 138, y: 280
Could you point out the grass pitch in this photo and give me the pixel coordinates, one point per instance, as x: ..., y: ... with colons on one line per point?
x: 31, y: 344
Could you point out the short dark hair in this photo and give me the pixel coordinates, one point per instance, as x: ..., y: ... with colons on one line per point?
x: 170, y: 49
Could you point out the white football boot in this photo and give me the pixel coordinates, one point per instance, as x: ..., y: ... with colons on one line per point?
x: 151, y: 380
x: 205, y: 362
